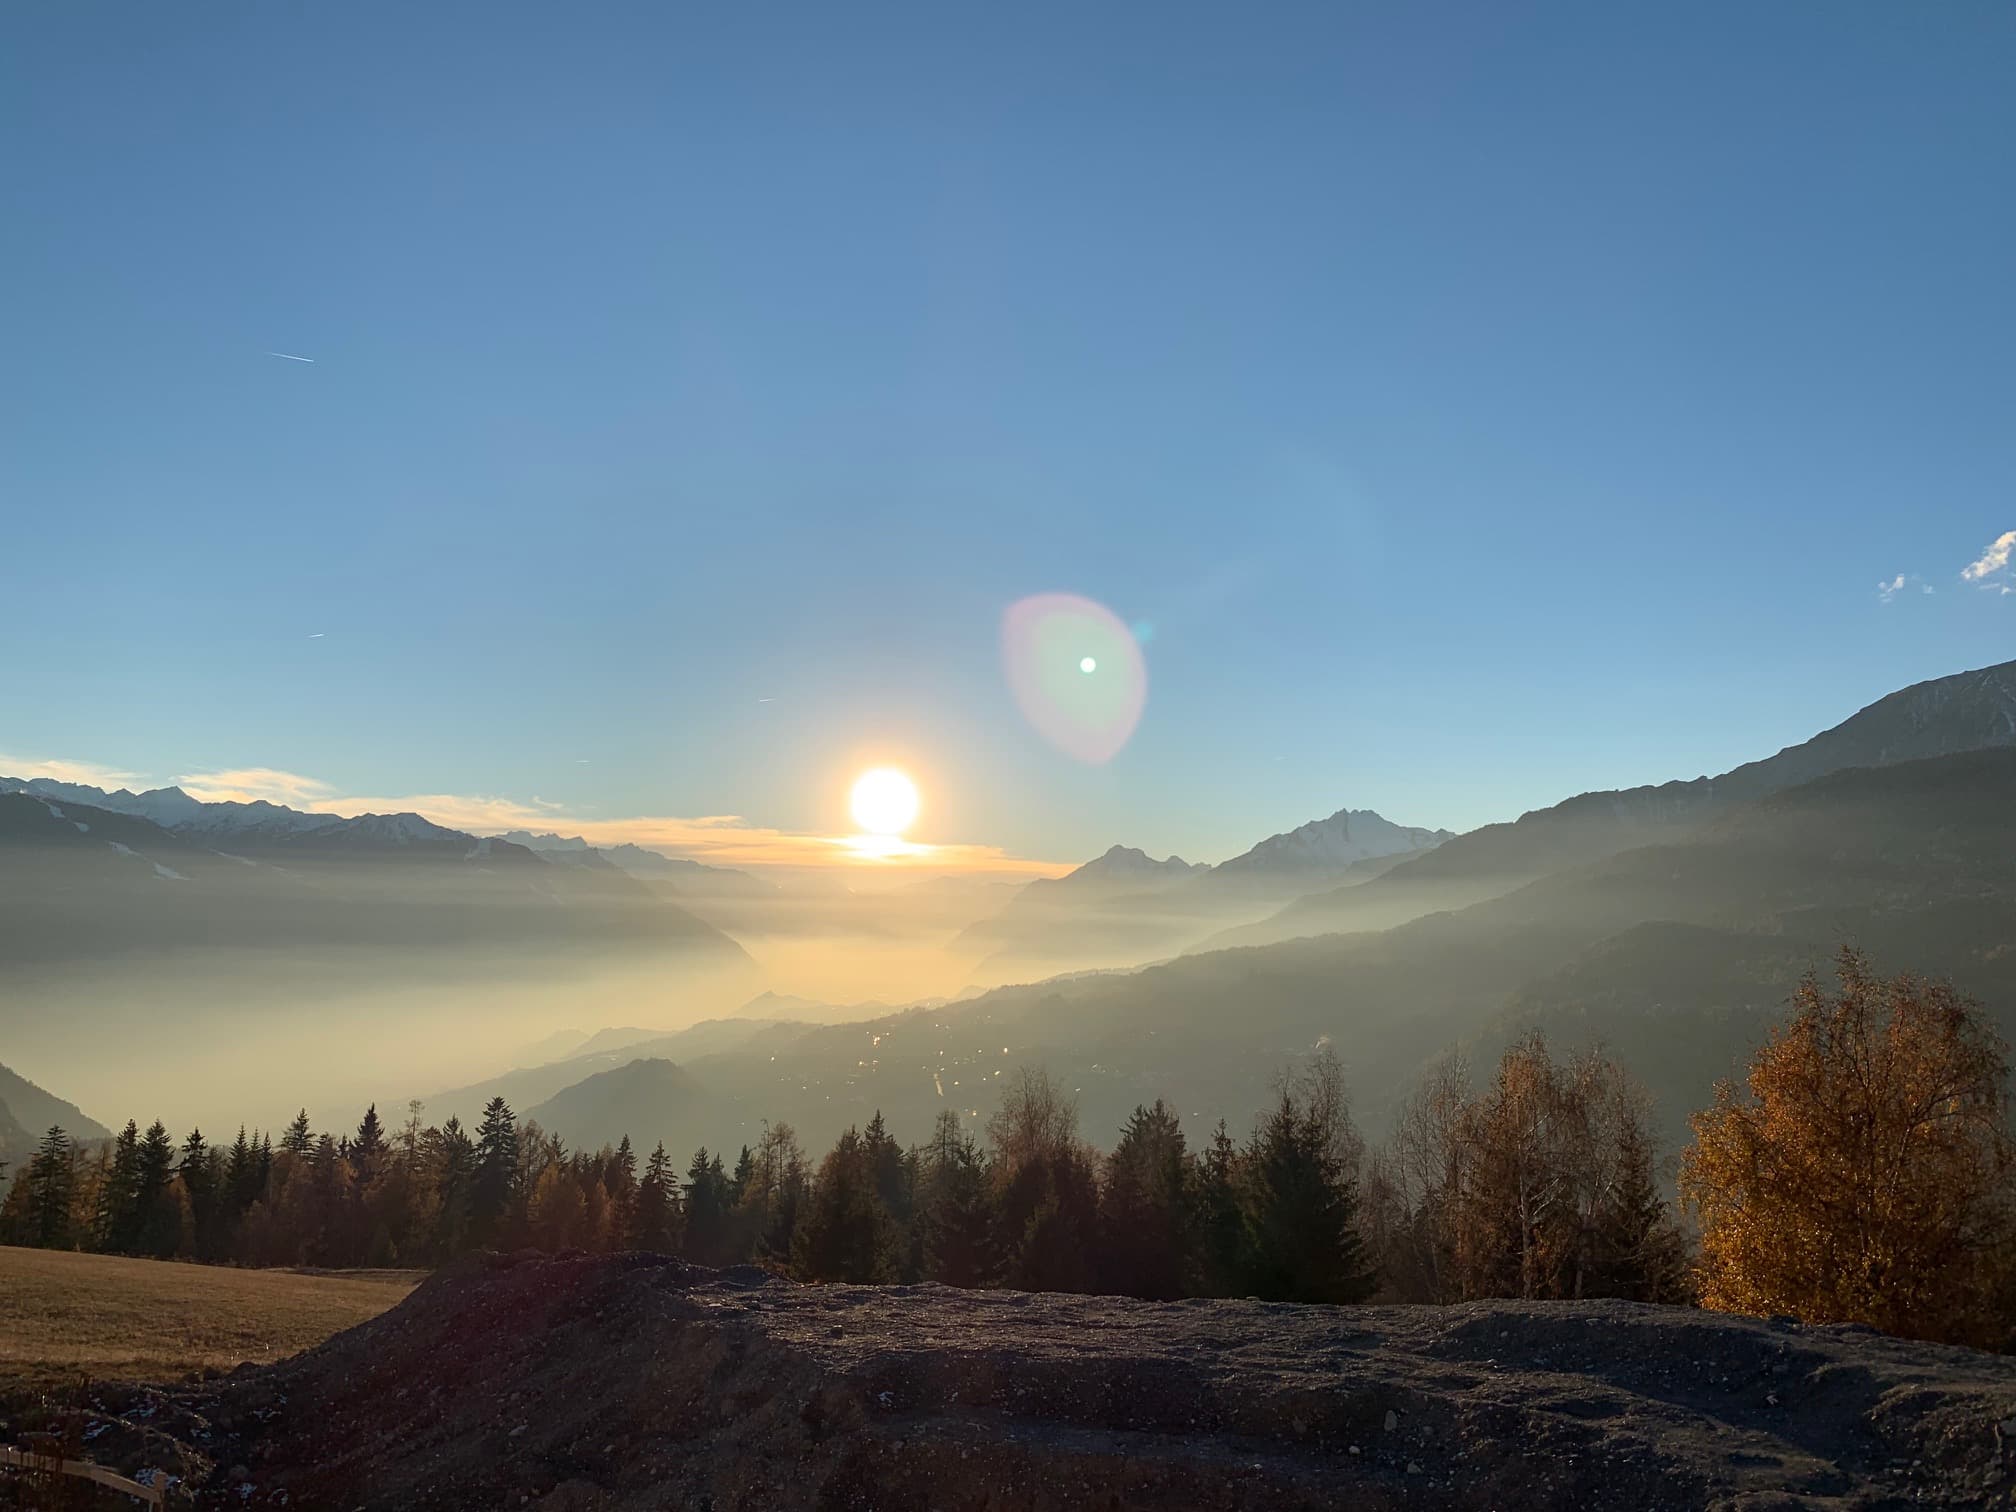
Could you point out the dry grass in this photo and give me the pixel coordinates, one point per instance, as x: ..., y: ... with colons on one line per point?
x: 155, y: 1320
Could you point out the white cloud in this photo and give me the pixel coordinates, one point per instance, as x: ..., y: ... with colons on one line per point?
x: 1992, y: 561
x: 1888, y: 591
x: 88, y: 773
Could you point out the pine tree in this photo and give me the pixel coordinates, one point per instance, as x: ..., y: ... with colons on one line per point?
x: 886, y: 1165
x: 51, y: 1179
x: 1144, y: 1228
x: 117, y: 1220
x: 739, y: 1182
x: 158, y: 1215
x: 298, y: 1140
x: 845, y: 1233
x: 367, y: 1150
x: 1220, y: 1225
x: 956, y: 1209
x: 706, y: 1215
x: 200, y: 1187
x: 496, y: 1175
x: 1300, y: 1201
x: 241, y: 1175
x: 654, y: 1219
x: 1640, y: 1254
x: 451, y: 1159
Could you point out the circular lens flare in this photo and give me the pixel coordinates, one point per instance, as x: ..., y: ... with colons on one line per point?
x: 884, y: 801
x: 1076, y: 671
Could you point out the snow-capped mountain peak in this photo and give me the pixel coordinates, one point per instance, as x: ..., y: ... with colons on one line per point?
x: 1326, y: 845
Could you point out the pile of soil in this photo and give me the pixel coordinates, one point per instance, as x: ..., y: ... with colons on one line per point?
x: 636, y: 1381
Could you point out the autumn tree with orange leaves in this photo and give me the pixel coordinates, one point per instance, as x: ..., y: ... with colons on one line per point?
x: 1867, y: 1174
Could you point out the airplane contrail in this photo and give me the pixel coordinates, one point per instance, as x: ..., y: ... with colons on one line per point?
x: 290, y: 356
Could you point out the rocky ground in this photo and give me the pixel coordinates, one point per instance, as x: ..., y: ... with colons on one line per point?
x: 631, y: 1382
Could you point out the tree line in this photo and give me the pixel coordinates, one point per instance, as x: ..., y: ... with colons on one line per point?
x: 1864, y: 1172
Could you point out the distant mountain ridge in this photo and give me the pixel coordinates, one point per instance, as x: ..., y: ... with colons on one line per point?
x: 1945, y: 716
x: 173, y: 809
x: 1126, y: 866
x: 1330, y: 845
x: 382, y: 900
x: 641, y: 862
x: 1124, y: 908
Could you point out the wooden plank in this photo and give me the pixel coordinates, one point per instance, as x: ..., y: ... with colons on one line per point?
x: 153, y: 1496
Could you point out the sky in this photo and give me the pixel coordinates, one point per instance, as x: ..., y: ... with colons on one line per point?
x: 1470, y: 405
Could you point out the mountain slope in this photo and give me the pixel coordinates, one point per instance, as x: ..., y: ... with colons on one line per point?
x: 647, y: 1099
x: 1965, y: 712
x: 1915, y: 861
x: 39, y: 1110
x: 27, y: 1113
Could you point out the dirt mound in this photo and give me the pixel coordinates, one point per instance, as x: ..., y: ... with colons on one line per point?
x: 639, y: 1382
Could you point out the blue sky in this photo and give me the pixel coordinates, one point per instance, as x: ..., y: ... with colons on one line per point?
x: 1481, y: 406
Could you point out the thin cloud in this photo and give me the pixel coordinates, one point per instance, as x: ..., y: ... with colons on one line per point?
x: 253, y: 785
x: 291, y: 357
x: 318, y: 635
x: 716, y: 839
x: 1993, y: 561
x: 85, y: 773
x: 1885, y: 592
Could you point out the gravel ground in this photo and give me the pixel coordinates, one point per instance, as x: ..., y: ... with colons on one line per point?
x: 636, y: 1381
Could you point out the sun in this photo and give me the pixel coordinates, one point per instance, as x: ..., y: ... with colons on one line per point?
x: 884, y: 801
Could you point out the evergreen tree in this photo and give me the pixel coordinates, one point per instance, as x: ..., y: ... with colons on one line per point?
x: 886, y: 1164
x: 845, y: 1233
x: 117, y: 1219
x: 705, y: 1241
x: 450, y: 1155
x: 1640, y: 1254
x: 241, y: 1175
x: 654, y: 1220
x: 496, y: 1176
x: 955, y: 1209
x: 1219, y: 1263
x: 200, y: 1188
x: 619, y: 1180
x: 298, y: 1140
x: 157, y: 1214
x: 1144, y: 1230
x: 367, y: 1150
x: 739, y: 1182
x: 51, y: 1180
x: 1301, y: 1206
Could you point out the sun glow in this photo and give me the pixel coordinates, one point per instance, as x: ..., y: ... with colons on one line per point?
x: 884, y: 802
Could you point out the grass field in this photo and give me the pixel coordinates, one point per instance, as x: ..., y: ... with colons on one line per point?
x: 156, y: 1320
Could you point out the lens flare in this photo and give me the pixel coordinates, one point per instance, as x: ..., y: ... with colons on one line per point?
x: 1076, y: 672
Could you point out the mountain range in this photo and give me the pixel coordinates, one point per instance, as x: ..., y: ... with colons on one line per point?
x: 278, y: 903
x: 1670, y: 923
x: 1125, y: 908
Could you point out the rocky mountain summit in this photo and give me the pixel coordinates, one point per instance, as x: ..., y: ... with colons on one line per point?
x: 635, y: 1381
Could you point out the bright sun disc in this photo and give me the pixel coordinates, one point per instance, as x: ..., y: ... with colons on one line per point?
x: 884, y: 801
